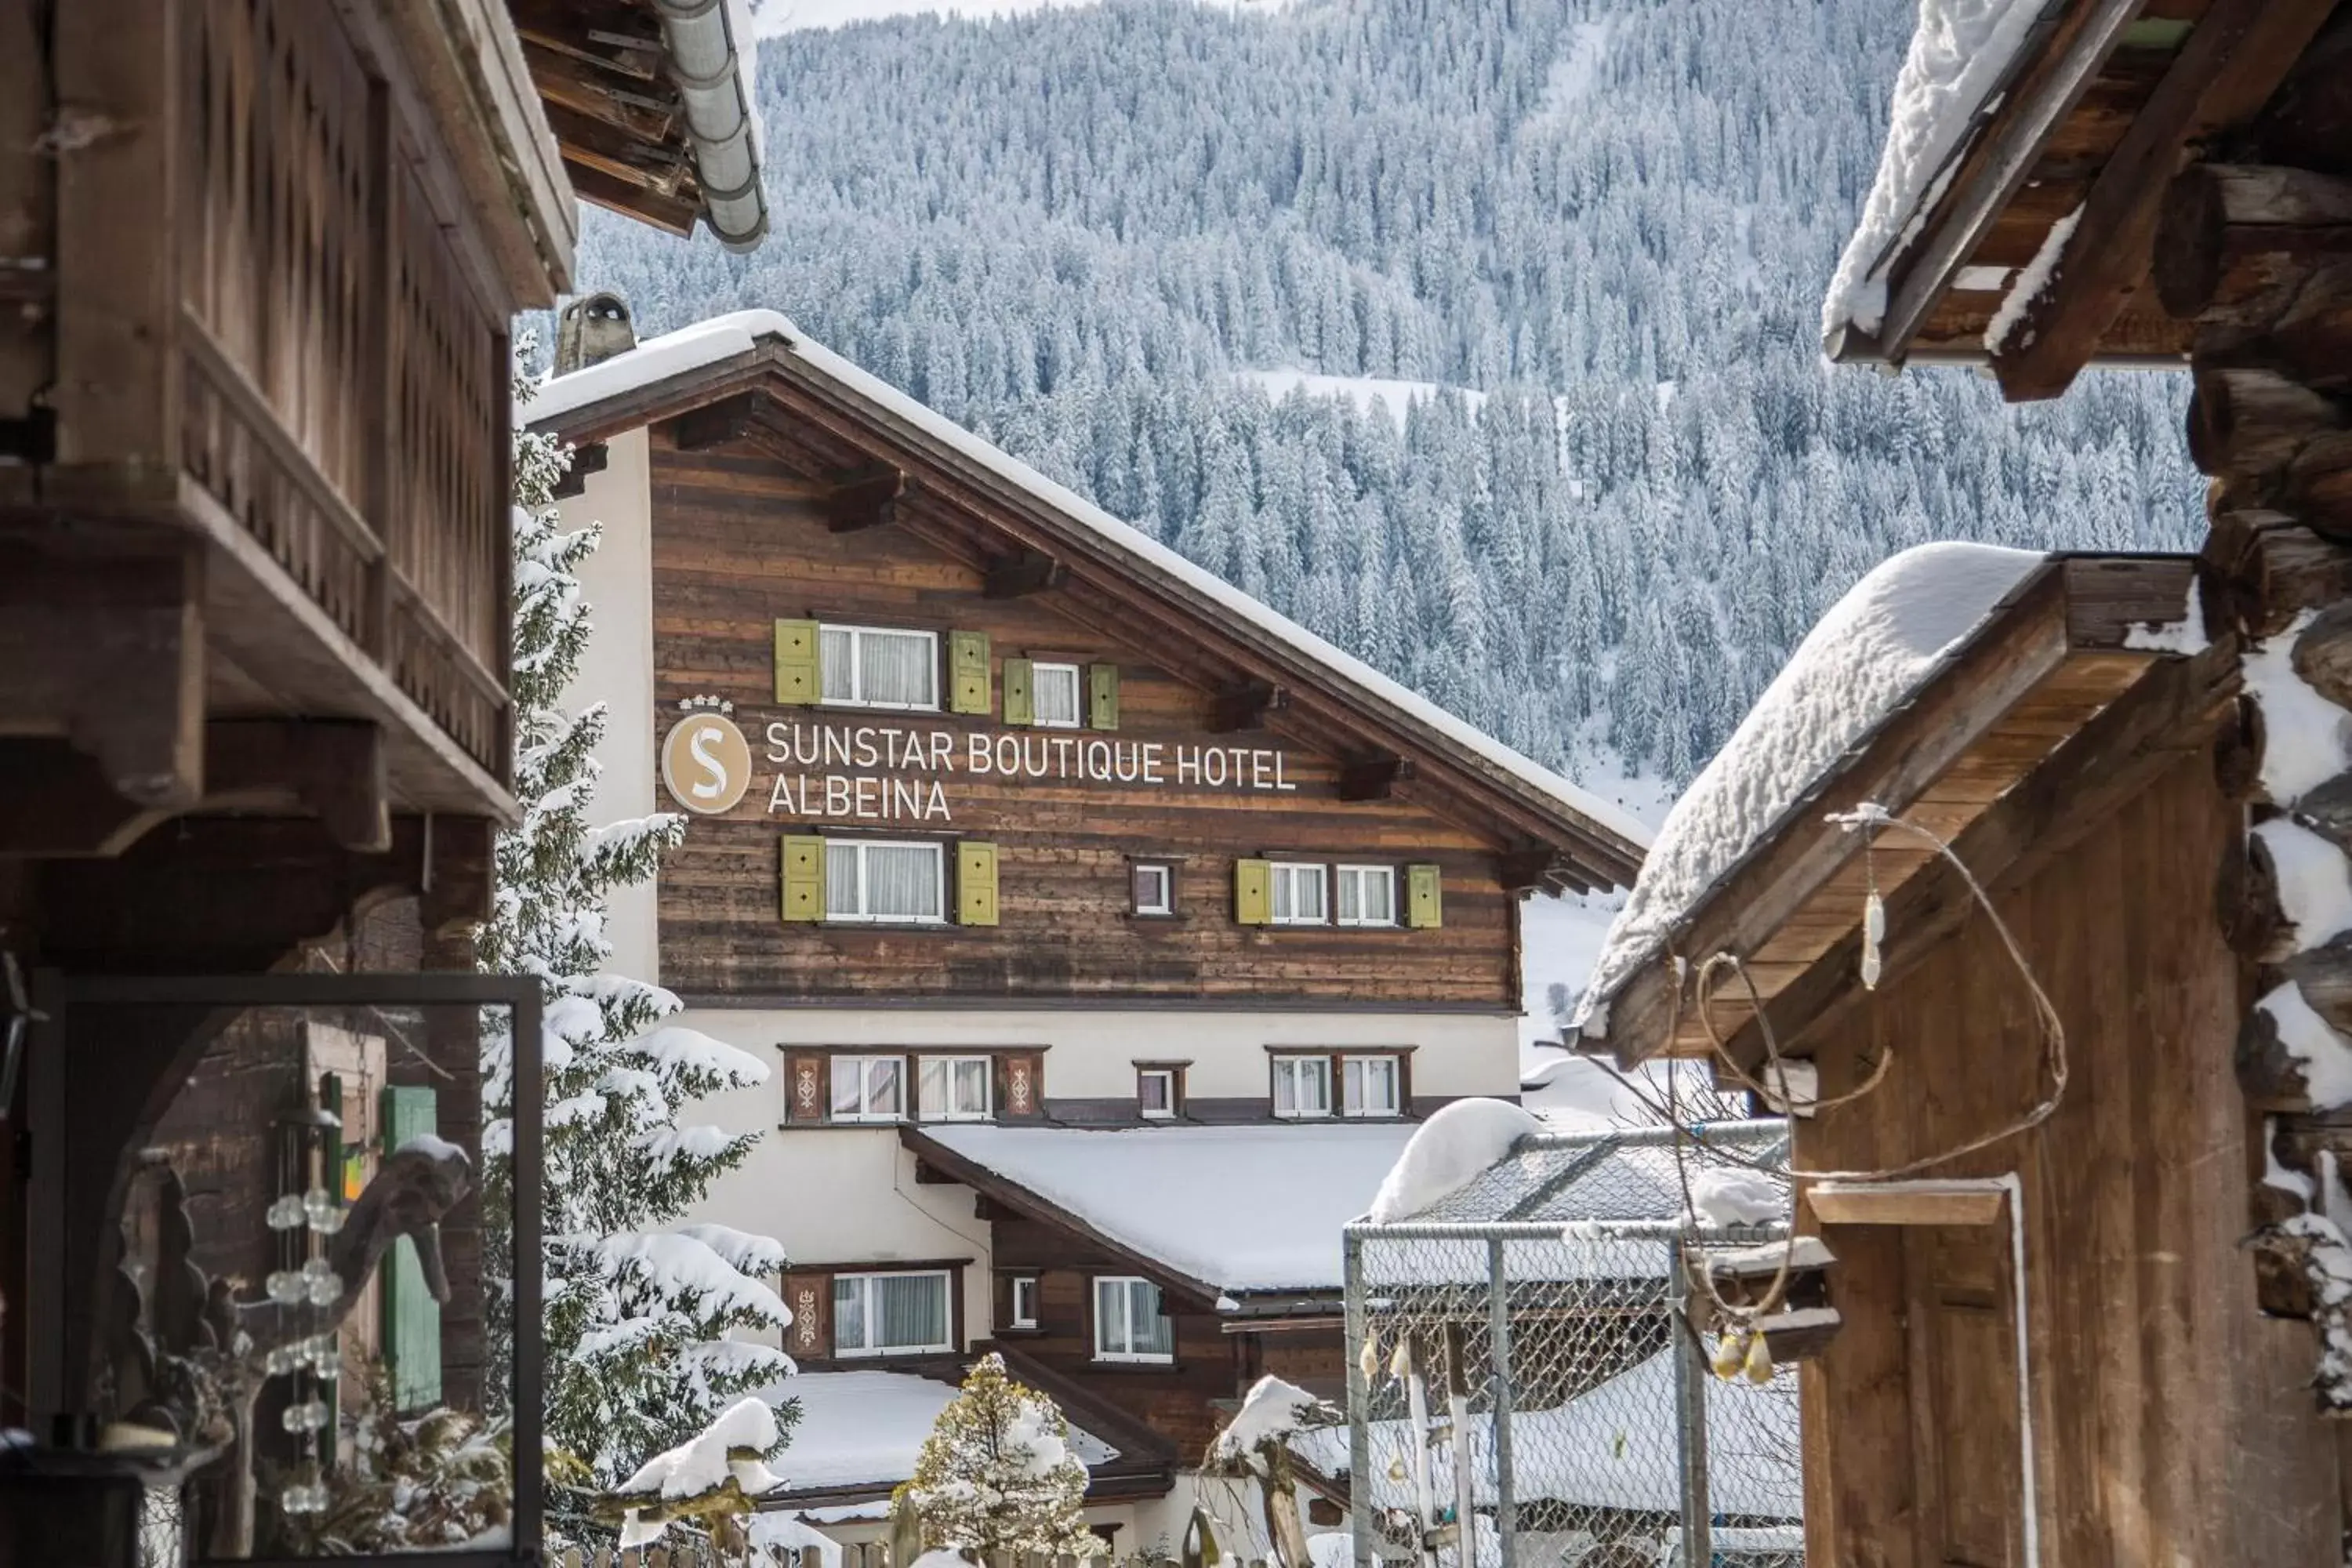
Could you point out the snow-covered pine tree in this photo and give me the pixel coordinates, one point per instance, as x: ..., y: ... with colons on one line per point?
x: 997, y: 1473
x: 639, y: 1357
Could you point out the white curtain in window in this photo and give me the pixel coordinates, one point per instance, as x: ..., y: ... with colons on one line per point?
x: 897, y: 667
x: 1370, y: 1084
x: 844, y: 894
x: 1127, y: 1321
x: 911, y: 1311
x: 848, y: 1314
x: 1054, y: 687
x: 837, y: 661
x: 902, y: 881
x: 1110, y: 1315
x: 1379, y: 896
x: 885, y: 1094
x: 1153, y: 1334
x: 955, y: 1086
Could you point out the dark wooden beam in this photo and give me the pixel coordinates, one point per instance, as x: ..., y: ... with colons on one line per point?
x: 2063, y: 63
x: 727, y: 420
x: 1245, y: 706
x: 56, y: 801
x: 324, y: 768
x: 1020, y: 572
x: 1373, y: 778
x: 458, y: 868
x: 587, y: 459
x: 1537, y: 868
x: 867, y: 498
x: 2235, y: 58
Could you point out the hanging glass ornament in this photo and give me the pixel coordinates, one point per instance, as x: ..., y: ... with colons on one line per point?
x: 286, y: 1288
x: 286, y: 1213
x: 1874, y: 933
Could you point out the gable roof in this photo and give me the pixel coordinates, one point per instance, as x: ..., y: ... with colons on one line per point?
x: 1215, y: 1211
x: 2016, y: 209
x: 2055, y: 692
x: 817, y: 410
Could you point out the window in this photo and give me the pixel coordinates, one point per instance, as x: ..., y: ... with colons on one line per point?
x: 1056, y: 690
x: 1155, y: 888
x: 868, y: 666
x: 1297, y: 894
x: 890, y: 1314
x: 885, y: 882
x: 1368, y: 1086
x: 1156, y: 1093
x: 1127, y: 1322
x: 869, y: 1088
x: 1302, y: 1085
x: 1024, y: 1302
x: 1367, y: 895
x: 953, y: 1089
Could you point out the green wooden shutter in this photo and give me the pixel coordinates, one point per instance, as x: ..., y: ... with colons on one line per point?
x: 975, y: 884
x: 1020, y: 702
x: 804, y: 879
x: 412, y: 1318
x: 1425, y: 898
x: 968, y: 673
x: 799, y: 679
x: 1102, y: 697
x: 1254, y: 892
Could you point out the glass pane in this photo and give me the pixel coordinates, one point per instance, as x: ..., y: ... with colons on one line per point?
x: 1351, y: 1082
x: 902, y: 881
x: 1380, y: 889
x: 1152, y: 1333
x: 838, y: 656
x: 1286, y: 1087
x: 1151, y: 1091
x: 933, y: 1099
x: 1314, y: 1083
x: 1056, y: 689
x: 848, y: 1085
x: 849, y: 1314
x: 1351, y: 905
x: 911, y: 1311
x: 1282, y: 898
x: 1110, y: 1315
x: 842, y: 896
x: 885, y: 1088
x: 1310, y: 892
x: 898, y: 669
x: 972, y: 1086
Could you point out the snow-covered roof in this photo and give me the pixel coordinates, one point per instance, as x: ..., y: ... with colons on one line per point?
x: 722, y: 338
x: 1236, y: 1208
x: 1875, y: 649
x: 860, y: 1429
x: 1961, y: 57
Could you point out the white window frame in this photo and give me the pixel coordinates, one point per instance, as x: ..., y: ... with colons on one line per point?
x: 1352, y: 1101
x: 1023, y: 1302
x: 863, y: 1064
x: 1129, y: 1354
x: 1167, y: 875
x: 1284, y: 879
x: 1346, y: 876
x: 1038, y: 671
x: 1292, y: 1064
x: 859, y: 916
x: 858, y: 698
x: 1169, y: 1076
x: 926, y: 1111
x: 867, y: 1316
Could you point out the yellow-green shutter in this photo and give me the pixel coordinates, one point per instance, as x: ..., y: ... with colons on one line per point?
x: 975, y: 884
x: 804, y: 879
x: 1254, y: 892
x: 1425, y: 898
x: 1102, y: 697
x: 968, y: 672
x: 1020, y: 700
x: 799, y: 680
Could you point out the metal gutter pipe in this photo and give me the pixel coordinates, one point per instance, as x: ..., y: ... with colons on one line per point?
x: 706, y: 54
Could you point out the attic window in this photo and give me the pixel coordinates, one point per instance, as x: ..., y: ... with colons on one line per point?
x: 874, y: 667
x: 1056, y: 688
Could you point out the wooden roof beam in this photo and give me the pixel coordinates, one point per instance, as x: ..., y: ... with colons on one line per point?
x: 2234, y: 59
x: 867, y: 497
x: 1020, y: 572
x: 719, y: 424
x: 1373, y: 778
x: 1245, y: 707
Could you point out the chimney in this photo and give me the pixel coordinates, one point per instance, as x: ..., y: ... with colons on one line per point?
x: 592, y: 329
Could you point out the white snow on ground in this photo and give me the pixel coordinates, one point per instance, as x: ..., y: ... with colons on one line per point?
x: 706, y: 343
x: 1560, y: 939
x: 1449, y: 1151
x: 1868, y: 656
x: 1366, y: 392
x: 865, y: 1428
x: 2032, y: 279
x: 1172, y: 1192
x: 1576, y: 71
x: 1959, y: 55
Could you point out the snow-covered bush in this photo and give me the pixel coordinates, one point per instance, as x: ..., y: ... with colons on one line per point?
x: 997, y: 1473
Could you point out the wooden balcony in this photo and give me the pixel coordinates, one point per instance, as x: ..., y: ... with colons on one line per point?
x: 285, y: 238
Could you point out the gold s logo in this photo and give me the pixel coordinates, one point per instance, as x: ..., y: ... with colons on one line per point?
x: 706, y: 763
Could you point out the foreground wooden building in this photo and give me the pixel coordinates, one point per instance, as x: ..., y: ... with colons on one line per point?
x: 1108, y: 932
x: 259, y: 260
x: 2070, y: 1266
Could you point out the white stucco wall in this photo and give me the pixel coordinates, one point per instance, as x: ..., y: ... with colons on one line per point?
x: 617, y: 667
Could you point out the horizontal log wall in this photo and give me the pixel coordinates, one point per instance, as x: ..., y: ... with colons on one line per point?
x: 734, y: 552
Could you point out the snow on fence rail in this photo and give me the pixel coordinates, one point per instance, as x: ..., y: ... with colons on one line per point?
x: 1522, y: 1368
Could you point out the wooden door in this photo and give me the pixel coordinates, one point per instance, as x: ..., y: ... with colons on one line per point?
x: 1961, y: 1328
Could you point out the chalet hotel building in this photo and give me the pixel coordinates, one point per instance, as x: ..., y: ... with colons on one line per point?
x: 1106, y: 932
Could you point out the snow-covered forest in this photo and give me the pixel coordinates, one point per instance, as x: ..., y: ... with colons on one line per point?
x: 1597, y: 230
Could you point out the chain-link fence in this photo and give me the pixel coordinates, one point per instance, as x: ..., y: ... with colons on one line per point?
x: 1606, y: 1441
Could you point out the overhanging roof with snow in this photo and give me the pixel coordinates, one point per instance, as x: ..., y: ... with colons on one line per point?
x: 1211, y: 1211
x: 754, y: 376
x: 2082, y: 683
x: 2024, y: 213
